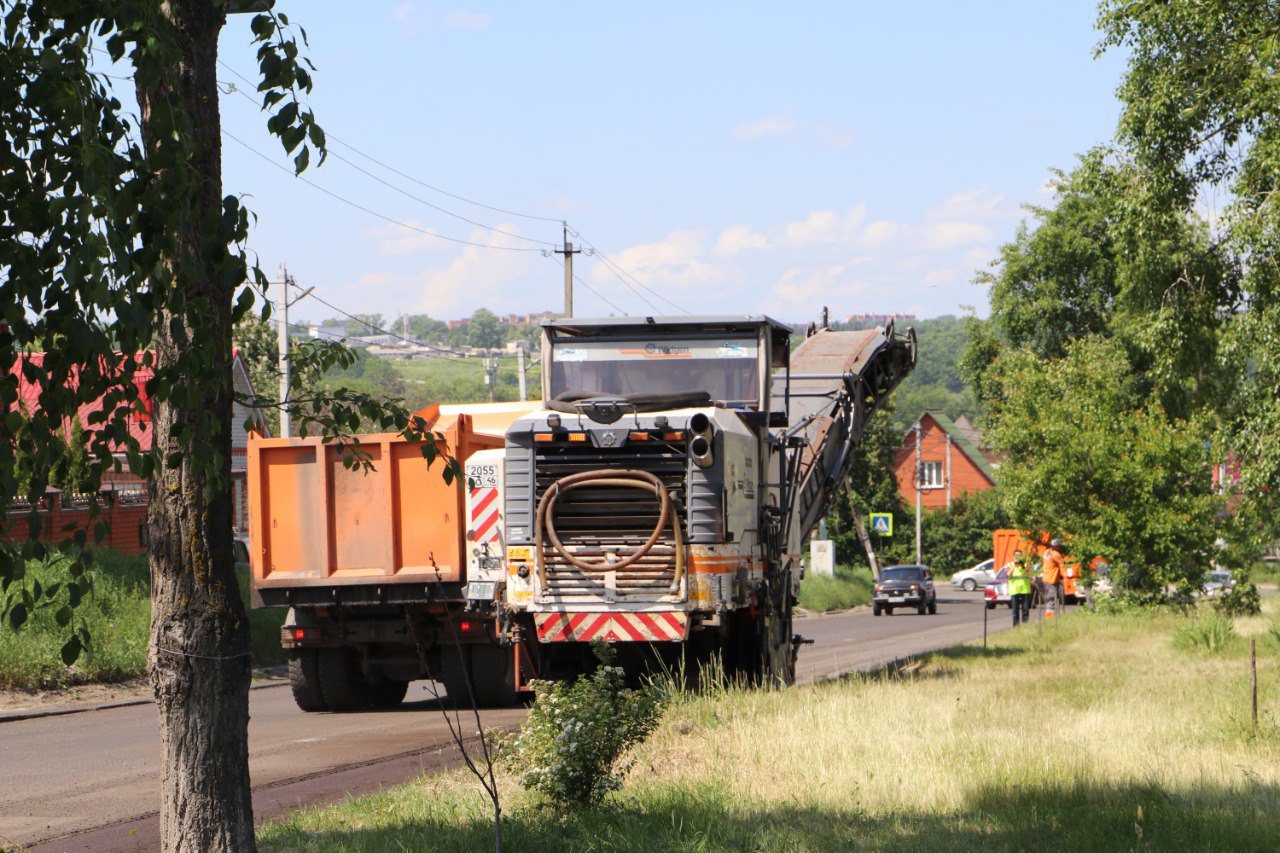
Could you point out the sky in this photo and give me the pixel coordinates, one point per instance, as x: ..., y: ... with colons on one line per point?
x: 730, y: 158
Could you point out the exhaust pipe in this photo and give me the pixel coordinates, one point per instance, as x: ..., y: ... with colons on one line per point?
x: 700, y: 448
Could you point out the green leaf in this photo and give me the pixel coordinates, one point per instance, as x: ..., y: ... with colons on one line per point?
x: 71, y: 651
x: 18, y: 615
x: 63, y: 616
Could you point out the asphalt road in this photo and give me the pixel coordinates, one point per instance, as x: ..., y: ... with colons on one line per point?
x: 89, y: 781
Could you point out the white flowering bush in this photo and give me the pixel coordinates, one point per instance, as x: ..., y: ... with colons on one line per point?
x: 571, y: 749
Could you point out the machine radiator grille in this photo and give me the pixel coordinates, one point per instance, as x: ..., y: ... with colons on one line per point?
x: 593, y: 522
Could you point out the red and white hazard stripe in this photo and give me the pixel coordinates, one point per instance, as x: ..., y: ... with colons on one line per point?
x: 662, y: 627
x: 484, y: 513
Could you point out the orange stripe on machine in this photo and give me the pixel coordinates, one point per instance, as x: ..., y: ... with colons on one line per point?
x: 662, y: 627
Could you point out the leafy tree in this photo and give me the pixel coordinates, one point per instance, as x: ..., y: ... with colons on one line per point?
x: 257, y: 341
x: 428, y: 329
x: 961, y: 536
x: 1093, y: 456
x: 485, y: 331
x: 871, y: 487
x: 365, y: 324
x: 112, y: 225
x: 1201, y: 112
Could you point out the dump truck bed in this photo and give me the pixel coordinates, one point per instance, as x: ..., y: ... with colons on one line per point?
x: 316, y: 523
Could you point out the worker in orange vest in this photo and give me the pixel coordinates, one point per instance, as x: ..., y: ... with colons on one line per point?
x: 1051, y: 576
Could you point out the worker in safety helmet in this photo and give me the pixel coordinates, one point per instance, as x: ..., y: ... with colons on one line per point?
x: 1020, y: 587
x: 1051, y: 577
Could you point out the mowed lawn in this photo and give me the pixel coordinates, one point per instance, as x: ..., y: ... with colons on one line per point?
x: 1099, y: 733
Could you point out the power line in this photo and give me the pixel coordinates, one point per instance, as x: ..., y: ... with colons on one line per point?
x: 408, y: 177
x: 600, y: 295
x: 369, y: 211
x: 623, y: 275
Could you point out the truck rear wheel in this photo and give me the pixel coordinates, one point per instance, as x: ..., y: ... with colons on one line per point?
x: 341, y: 682
x: 304, y: 679
x: 387, y: 692
x: 490, y: 669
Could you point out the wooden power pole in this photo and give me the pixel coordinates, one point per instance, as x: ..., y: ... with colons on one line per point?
x: 568, y: 251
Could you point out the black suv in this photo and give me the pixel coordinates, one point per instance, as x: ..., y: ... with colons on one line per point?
x: 903, y: 586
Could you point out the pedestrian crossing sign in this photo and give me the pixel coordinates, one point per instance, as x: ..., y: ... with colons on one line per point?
x: 882, y: 523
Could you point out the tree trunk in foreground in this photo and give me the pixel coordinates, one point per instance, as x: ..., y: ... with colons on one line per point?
x: 198, y: 662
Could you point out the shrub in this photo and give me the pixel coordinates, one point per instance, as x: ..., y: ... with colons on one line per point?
x: 1212, y: 633
x: 1240, y: 600
x: 571, y: 747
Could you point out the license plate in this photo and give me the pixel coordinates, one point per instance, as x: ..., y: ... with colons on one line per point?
x: 480, y: 591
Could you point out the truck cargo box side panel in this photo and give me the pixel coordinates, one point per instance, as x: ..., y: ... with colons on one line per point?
x: 295, y: 540
x: 427, y: 516
x: 359, y: 514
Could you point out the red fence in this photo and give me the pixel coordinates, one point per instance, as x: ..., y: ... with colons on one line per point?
x: 62, y: 514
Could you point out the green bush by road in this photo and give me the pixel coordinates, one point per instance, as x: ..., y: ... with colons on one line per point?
x: 118, y: 615
x: 850, y: 587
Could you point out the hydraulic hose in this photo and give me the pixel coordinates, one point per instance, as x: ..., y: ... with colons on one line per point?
x: 605, y: 478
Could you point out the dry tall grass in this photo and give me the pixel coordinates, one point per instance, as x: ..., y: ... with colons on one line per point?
x: 1095, y: 733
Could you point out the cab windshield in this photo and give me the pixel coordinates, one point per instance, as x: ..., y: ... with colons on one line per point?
x: 728, y: 369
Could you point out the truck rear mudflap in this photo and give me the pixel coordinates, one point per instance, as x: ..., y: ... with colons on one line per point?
x: 663, y: 626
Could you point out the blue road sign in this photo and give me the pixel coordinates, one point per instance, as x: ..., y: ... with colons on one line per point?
x: 882, y: 523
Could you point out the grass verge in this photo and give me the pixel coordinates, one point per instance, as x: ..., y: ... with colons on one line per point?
x: 118, y: 616
x: 849, y: 588
x: 1071, y: 737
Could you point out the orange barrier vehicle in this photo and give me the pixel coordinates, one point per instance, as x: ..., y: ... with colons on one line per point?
x: 374, y: 565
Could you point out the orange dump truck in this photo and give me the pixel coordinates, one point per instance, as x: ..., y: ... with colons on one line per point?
x: 1005, y: 542
x: 376, y: 566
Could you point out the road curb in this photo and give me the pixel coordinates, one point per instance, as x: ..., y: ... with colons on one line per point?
x: 67, y: 710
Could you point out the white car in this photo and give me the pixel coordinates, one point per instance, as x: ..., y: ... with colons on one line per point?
x: 979, y: 576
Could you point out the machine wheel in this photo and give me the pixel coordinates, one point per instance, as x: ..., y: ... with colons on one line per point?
x: 779, y: 651
x: 875, y: 609
x: 923, y: 607
x: 493, y: 672
x: 969, y: 585
x: 387, y: 692
x: 342, y: 684
x: 304, y: 679
x: 933, y: 606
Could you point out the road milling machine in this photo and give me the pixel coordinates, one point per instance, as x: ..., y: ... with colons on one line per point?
x: 658, y: 500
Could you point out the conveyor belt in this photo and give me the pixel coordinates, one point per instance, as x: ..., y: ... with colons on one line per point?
x: 837, y: 380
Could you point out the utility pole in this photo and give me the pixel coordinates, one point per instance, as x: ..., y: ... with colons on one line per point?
x: 282, y: 342
x: 568, y: 251
x: 490, y: 374
x: 948, y: 472
x: 524, y: 392
x: 919, y: 475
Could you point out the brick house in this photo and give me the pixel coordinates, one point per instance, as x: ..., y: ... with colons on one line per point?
x: 953, y: 460
x: 124, y: 481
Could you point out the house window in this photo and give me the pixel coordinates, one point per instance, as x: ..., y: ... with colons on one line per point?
x: 931, y: 475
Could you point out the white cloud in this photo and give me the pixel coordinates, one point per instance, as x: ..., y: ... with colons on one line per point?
x: 392, y: 240
x: 460, y: 20
x: 783, y: 125
x: 974, y: 205
x: 769, y: 126
x: 880, y: 232
x: 824, y: 227
x: 951, y: 235
x: 416, y: 20
x: 738, y: 238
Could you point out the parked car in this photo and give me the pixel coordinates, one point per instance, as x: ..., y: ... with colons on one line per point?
x: 1217, y: 583
x: 979, y: 576
x: 997, y: 592
x: 905, y: 586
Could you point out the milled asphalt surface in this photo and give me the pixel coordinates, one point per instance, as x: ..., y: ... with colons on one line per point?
x: 89, y: 781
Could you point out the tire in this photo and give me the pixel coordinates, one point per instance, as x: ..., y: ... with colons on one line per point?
x: 923, y: 607
x: 991, y: 605
x: 875, y: 609
x: 933, y: 606
x: 304, y: 679
x: 889, y: 610
x: 387, y: 692
x: 342, y: 684
x: 969, y: 585
x: 494, y: 676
